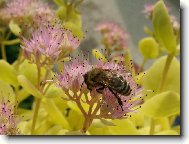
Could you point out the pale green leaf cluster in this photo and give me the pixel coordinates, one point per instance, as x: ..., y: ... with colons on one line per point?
x: 59, y: 116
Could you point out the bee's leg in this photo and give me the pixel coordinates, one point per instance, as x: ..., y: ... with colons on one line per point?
x: 100, y: 89
x: 118, y: 99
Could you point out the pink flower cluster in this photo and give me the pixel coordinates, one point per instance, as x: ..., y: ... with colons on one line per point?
x: 49, y: 44
x: 114, y: 36
x: 21, y: 9
x: 72, y: 79
x: 110, y: 107
x: 8, y: 121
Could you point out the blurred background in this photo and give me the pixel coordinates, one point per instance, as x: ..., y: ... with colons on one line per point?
x: 127, y: 13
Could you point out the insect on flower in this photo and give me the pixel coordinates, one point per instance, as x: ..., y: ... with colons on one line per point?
x: 105, y: 78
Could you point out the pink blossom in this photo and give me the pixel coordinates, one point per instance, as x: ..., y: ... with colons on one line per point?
x: 113, y: 34
x: 21, y: 9
x: 72, y: 77
x: 110, y: 107
x: 8, y: 121
x: 49, y: 44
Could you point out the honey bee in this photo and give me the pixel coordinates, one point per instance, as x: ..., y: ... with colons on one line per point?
x: 104, y: 78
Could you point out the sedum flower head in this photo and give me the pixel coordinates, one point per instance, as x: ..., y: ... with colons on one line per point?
x: 110, y: 107
x: 72, y: 77
x: 8, y: 121
x: 114, y: 35
x: 148, y: 9
x: 49, y: 44
x: 21, y: 9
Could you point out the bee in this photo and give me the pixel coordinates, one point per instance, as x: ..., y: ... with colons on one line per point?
x: 104, y: 78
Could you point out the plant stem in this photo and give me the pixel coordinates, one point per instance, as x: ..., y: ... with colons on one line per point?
x: 165, y: 71
x: 90, y: 116
x: 152, y: 126
x: 16, y: 97
x: 142, y: 65
x: 38, y: 101
x: 3, y: 52
x: 11, y: 42
x: 86, y: 124
x: 162, y: 83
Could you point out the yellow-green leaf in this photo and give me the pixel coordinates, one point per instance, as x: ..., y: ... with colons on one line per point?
x: 163, y: 28
x: 28, y: 86
x: 29, y: 70
x: 56, y: 130
x: 71, y: 116
x: 167, y: 132
x: 162, y: 105
x: 59, y: 2
x: 98, y: 55
x: 14, y: 27
x: 137, y: 118
x: 107, y: 122
x: 148, y: 48
x: 56, y: 115
x: 8, y: 73
x: 153, y: 76
x: 75, y: 29
x: 6, y: 92
x: 54, y: 91
x: 122, y: 127
x: 74, y: 133
x: 22, y: 94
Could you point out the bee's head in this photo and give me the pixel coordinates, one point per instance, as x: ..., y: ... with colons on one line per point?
x: 90, y: 75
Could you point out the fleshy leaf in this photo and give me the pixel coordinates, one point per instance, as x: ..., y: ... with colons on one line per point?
x: 73, y: 106
x: 107, y: 122
x: 8, y: 73
x: 74, y: 133
x: 149, y: 48
x: 162, y: 105
x: 163, y: 28
x: 6, y: 92
x: 138, y: 118
x: 75, y: 29
x: 123, y: 127
x: 177, y: 129
x: 22, y: 94
x: 15, y: 29
x: 59, y: 2
x: 55, y: 114
x: 29, y: 70
x: 28, y: 86
x: 54, y: 91
x: 98, y: 123
x: 167, y: 132
x: 152, y: 78
x: 43, y: 127
x: 71, y: 116
x: 98, y: 55
x: 56, y: 130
